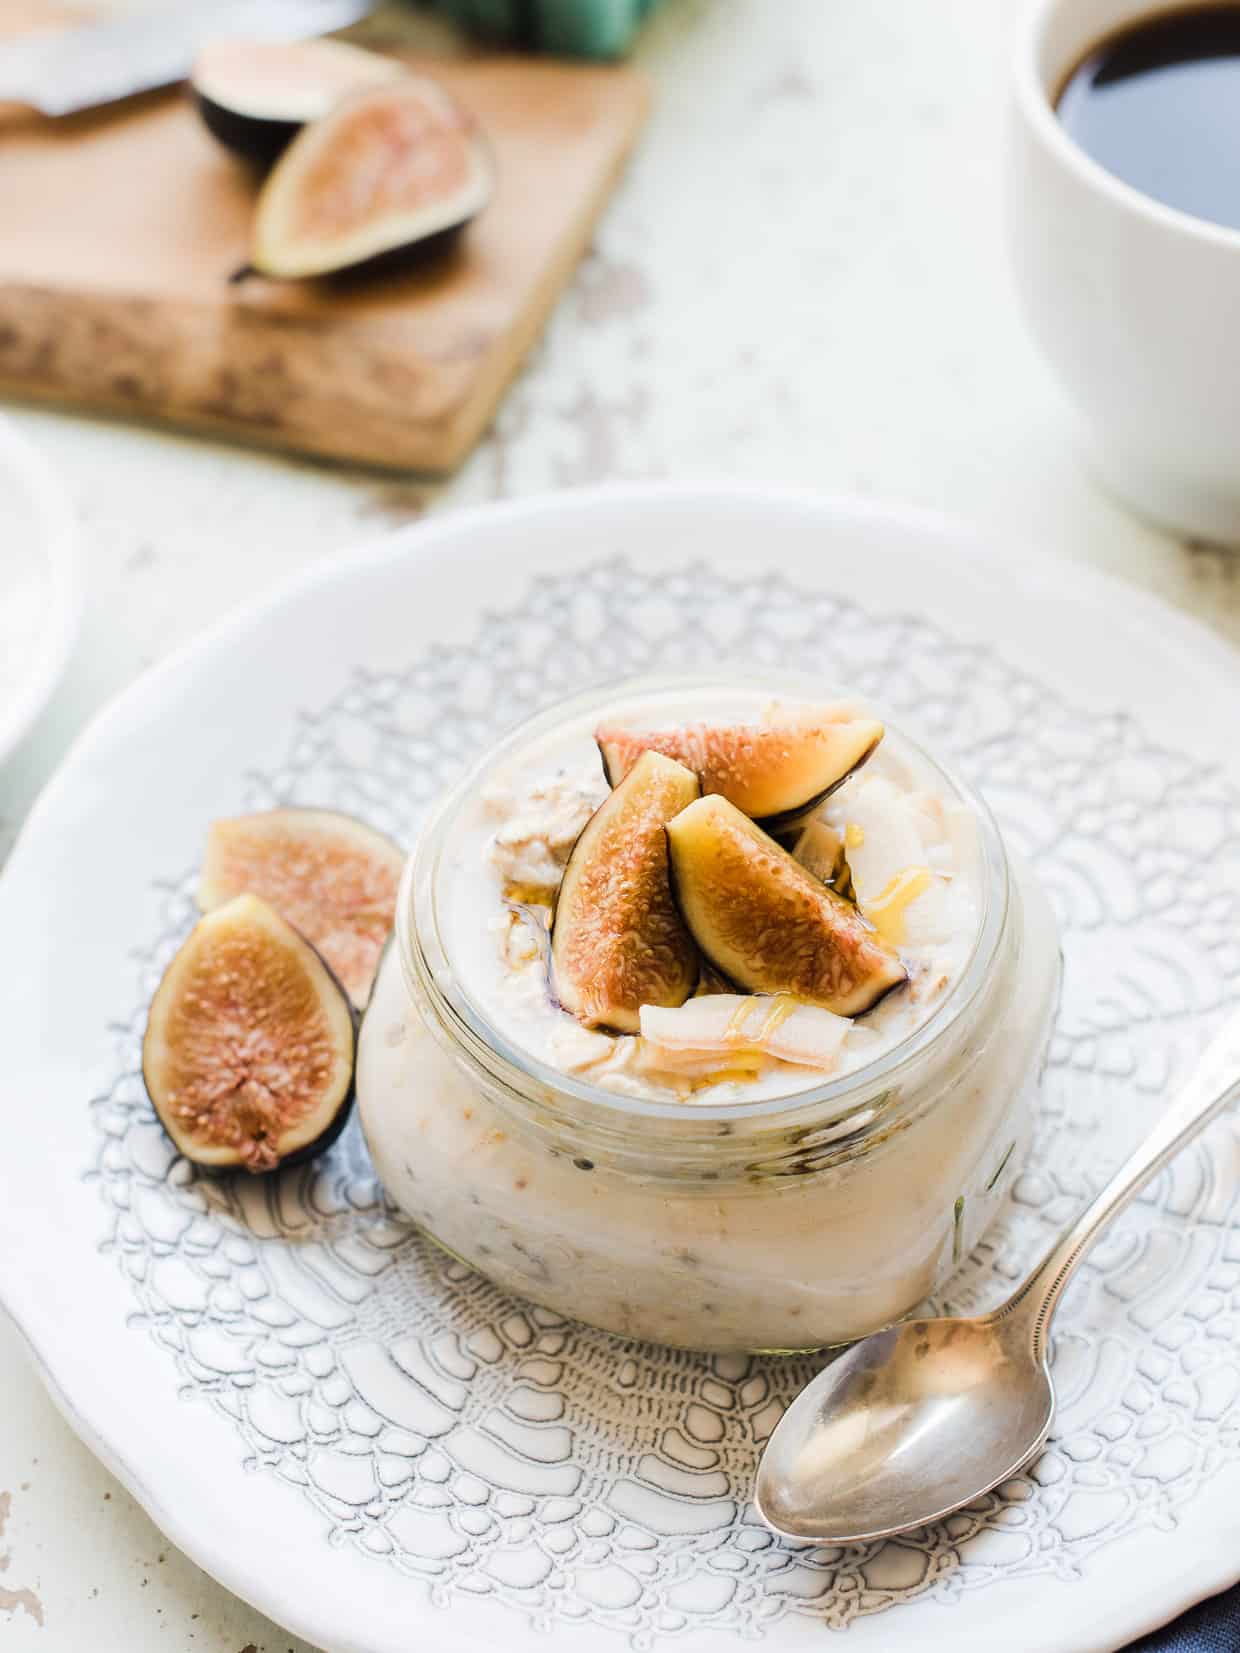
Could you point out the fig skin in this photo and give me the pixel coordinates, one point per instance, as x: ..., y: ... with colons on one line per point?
x: 617, y: 940
x: 387, y: 173
x: 255, y: 96
x: 258, y: 142
x: 778, y: 773
x: 250, y: 1045
x: 767, y: 924
x: 332, y: 877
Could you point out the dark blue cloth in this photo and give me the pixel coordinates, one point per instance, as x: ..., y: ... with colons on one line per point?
x: 1213, y: 1626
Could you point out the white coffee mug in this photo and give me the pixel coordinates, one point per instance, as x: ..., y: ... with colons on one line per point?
x: 1136, y: 305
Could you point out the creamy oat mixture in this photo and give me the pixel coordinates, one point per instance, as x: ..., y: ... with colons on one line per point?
x: 624, y: 1226
x: 911, y: 847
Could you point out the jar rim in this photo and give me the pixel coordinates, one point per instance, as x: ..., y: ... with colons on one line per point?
x: 425, y: 962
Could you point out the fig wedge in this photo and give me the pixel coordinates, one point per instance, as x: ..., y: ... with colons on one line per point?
x: 386, y: 171
x: 333, y: 878
x: 775, y: 772
x: 250, y: 1043
x: 617, y: 941
x: 766, y: 923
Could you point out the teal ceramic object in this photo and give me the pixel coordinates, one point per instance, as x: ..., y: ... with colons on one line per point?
x: 574, y: 28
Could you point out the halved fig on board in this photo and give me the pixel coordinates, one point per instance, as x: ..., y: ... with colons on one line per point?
x: 774, y: 772
x: 386, y: 171
x: 766, y: 923
x: 333, y: 878
x: 617, y: 940
x: 256, y: 95
x: 250, y: 1043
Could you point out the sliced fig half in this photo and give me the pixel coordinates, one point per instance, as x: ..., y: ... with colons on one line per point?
x: 773, y: 772
x: 385, y: 171
x: 250, y: 1044
x: 333, y: 878
x: 256, y: 95
x: 617, y: 940
x: 765, y: 922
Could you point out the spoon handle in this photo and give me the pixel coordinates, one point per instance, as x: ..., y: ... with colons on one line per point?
x: 1213, y: 1083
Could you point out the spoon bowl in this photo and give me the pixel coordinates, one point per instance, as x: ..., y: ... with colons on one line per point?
x: 925, y: 1416
x: 917, y: 1421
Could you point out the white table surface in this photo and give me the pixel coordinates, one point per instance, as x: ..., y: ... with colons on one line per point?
x: 802, y: 279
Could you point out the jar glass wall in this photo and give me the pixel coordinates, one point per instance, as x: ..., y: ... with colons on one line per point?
x: 779, y: 1224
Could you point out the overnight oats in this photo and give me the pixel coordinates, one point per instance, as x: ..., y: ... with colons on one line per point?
x: 715, y: 1016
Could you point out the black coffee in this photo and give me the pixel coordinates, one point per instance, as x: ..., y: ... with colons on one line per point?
x: 1158, y: 104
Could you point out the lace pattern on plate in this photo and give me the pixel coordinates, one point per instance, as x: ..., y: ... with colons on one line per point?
x: 491, y: 1449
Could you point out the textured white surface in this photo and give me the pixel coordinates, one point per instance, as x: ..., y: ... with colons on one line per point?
x: 314, y: 1479
x: 802, y: 279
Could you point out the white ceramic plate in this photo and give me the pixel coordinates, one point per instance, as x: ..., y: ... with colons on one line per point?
x: 366, y: 1440
x: 40, y: 600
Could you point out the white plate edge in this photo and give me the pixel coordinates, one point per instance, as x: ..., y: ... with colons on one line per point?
x: 963, y: 539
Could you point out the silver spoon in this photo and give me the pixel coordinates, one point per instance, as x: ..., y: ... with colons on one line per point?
x: 919, y: 1420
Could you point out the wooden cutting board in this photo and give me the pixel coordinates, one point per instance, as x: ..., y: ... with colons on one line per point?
x: 118, y: 232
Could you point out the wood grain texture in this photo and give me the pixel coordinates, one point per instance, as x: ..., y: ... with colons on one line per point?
x: 121, y: 229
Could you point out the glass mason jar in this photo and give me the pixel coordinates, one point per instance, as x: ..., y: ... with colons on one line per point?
x: 783, y: 1224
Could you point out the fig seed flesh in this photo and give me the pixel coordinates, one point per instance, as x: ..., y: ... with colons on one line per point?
x: 765, y: 922
x: 774, y: 772
x: 617, y: 940
x: 390, y: 169
x: 250, y: 1043
x: 332, y: 877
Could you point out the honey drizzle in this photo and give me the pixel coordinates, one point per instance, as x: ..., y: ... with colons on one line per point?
x: 782, y: 1006
x: 737, y: 1075
x: 746, y: 1054
x: 886, y: 914
x: 734, y: 1032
